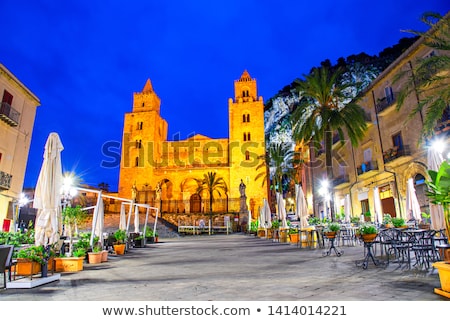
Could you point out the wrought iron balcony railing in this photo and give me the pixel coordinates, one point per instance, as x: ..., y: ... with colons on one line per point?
x: 386, y: 102
x: 396, y: 152
x: 9, y: 115
x: 367, y: 167
x: 5, y: 181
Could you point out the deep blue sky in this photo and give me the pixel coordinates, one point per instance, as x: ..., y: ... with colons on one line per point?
x: 85, y: 58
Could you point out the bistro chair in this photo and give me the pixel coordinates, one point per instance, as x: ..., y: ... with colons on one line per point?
x: 6, y: 261
x: 424, y: 248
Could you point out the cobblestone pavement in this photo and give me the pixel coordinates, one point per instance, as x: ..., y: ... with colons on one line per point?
x: 235, y: 267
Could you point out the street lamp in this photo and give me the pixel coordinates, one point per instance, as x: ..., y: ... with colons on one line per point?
x: 68, y: 191
x: 21, y: 202
x: 325, y: 193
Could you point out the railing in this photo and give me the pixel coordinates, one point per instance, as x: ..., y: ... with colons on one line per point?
x: 5, y: 180
x: 385, y: 102
x: 9, y: 114
x: 367, y: 167
x: 396, y: 152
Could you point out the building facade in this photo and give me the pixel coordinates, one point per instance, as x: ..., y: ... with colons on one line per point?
x: 17, y: 114
x: 166, y: 173
x: 391, y: 152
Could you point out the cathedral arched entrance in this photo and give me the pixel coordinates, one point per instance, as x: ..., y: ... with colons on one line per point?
x: 195, y: 203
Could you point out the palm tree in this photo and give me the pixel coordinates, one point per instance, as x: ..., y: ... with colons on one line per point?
x: 326, y: 106
x: 212, y: 184
x: 428, y: 79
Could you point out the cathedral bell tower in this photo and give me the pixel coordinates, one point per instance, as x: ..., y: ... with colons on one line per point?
x: 247, y: 142
x: 144, y: 132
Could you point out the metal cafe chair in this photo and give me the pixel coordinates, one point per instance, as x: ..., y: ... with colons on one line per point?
x: 399, y: 247
x: 6, y: 261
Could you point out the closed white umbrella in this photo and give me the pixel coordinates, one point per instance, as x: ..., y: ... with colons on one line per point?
x: 268, y: 214
x: 347, y: 208
x: 412, y: 204
x: 434, y: 158
x: 47, y: 198
x: 136, y: 219
x: 122, y: 218
x: 377, y: 205
x: 281, y: 210
x: 262, y: 217
x: 100, y: 220
x: 301, y: 208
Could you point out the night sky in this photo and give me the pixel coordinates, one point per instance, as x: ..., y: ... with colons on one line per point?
x: 84, y: 59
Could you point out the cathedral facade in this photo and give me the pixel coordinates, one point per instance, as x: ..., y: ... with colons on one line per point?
x: 166, y: 174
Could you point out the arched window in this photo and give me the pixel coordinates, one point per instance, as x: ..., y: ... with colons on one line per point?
x: 419, y: 179
x: 245, y: 137
x: 244, y: 119
x: 247, y: 155
x: 136, y: 162
x: 248, y: 118
x: 248, y: 136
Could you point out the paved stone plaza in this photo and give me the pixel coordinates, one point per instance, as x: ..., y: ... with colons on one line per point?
x: 235, y: 267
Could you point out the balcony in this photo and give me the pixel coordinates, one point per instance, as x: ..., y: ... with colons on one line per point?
x: 394, y: 153
x: 341, y: 181
x: 5, y: 181
x: 367, y: 167
x: 385, y: 102
x: 9, y: 115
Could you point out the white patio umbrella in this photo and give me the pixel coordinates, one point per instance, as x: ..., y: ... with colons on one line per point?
x: 100, y: 212
x: 136, y: 219
x: 47, y: 197
x: 268, y: 213
x: 434, y: 159
x: 122, y: 218
x: 281, y: 210
x: 301, y: 207
x: 377, y: 205
x: 347, y: 208
x: 262, y: 217
x: 412, y: 204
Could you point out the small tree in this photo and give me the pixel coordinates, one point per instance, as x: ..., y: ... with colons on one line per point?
x: 211, y: 184
x: 72, y: 216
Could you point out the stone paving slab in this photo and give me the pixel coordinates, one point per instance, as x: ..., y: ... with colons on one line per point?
x: 235, y: 267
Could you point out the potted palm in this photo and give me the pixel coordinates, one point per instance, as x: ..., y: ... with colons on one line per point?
x: 439, y: 193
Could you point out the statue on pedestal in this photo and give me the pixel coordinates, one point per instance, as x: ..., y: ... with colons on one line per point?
x: 242, y: 188
x: 134, y: 192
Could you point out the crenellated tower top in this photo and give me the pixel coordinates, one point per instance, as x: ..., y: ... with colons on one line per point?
x: 146, y: 100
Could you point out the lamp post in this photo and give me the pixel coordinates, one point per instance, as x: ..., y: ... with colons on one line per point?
x: 21, y: 202
x: 325, y: 193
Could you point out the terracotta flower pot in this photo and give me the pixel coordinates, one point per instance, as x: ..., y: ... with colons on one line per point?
x: 368, y: 237
x: 119, y: 249
x: 104, y: 256
x: 94, y: 257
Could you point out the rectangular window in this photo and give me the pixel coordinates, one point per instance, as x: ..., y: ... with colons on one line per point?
x: 397, y: 141
x: 7, y: 98
x: 389, y: 94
